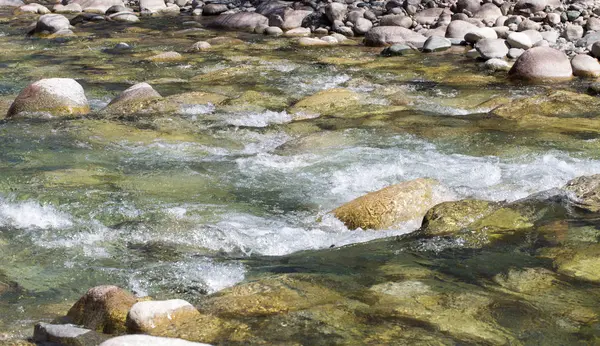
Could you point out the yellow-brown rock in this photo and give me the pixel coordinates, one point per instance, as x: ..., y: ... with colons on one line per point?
x: 392, y: 205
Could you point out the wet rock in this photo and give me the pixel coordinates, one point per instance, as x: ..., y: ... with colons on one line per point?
x: 396, y: 20
x: 32, y: 8
x: 132, y: 99
x: 165, y: 57
x: 528, y: 280
x: 519, y: 40
x: 459, y: 28
x: 584, y: 192
x: 452, y: 217
x: 53, y: 24
x: 387, y: 35
x: 495, y: 65
x: 143, y: 317
x: 490, y: 48
x: 582, y: 263
x: 554, y: 104
x: 326, y: 102
x: 540, y: 63
x: 102, y: 308
x: 392, y: 205
x: 336, y: 11
x: 243, y: 21
x: 147, y: 340
x: 398, y: 50
x: 56, y: 96
x: 66, y: 334
x: 436, y: 43
x: 117, y: 8
x: 585, y: 66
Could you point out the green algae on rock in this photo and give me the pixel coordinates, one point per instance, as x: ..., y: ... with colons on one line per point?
x: 452, y: 217
x: 585, y: 192
x: 56, y: 96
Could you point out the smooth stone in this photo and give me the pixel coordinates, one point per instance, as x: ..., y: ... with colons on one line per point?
x: 497, y: 65
x: 585, y: 66
x: 214, y: 9
x: 152, y: 5
x: 165, y: 57
x: 533, y: 6
x: 470, y: 5
x: 473, y: 54
x: 57, y: 96
x: 436, y: 43
x: 11, y: 3
x: 528, y: 24
x: 593, y: 24
x: 339, y: 37
x: 97, y: 6
x: 391, y: 205
x: 386, y: 35
x: 52, y: 23
x: 490, y: 48
x: 147, y: 315
x: 128, y: 17
x: 398, y: 50
x: 330, y: 39
x: 312, y: 41
x: 33, y: 8
x: 298, y: 32
x: 519, y: 40
x: 362, y: 26
x: 117, y: 8
x: 475, y: 35
x: 550, y: 36
x: 540, y: 63
x: 66, y: 334
x: 428, y: 16
x: 514, y: 53
x: 336, y: 11
x: 70, y: 8
x: 122, y: 46
x: 273, y: 31
x: 134, y: 95
x: 287, y: 18
x: 459, y: 28
x: 243, y: 21
x: 147, y: 340
x: 396, y: 20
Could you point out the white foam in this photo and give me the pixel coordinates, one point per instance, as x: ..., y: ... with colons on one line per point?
x: 258, y: 119
x: 194, y: 110
x: 31, y: 214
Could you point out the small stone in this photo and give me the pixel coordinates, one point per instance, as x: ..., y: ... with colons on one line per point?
x: 436, y: 43
x: 480, y: 33
x: 397, y: 50
x: 273, y: 31
x: 473, y: 54
x: 573, y: 32
x: 298, y: 32
x: 311, y: 41
x: 593, y: 24
x: 497, y: 65
x: 200, y: 46
x: 214, y: 9
x: 165, y: 57
x: 122, y: 46
x: 492, y: 48
x: 514, y: 53
x: 66, y: 334
x: 519, y: 40
x: 330, y: 39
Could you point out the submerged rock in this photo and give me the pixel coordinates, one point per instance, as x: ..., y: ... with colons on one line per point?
x: 143, y: 317
x: 147, y: 340
x: 66, y: 334
x: 541, y: 63
x: 326, y: 102
x: 103, y: 308
x: 54, y: 96
x: 584, y: 192
x: 452, y: 217
x: 392, y: 205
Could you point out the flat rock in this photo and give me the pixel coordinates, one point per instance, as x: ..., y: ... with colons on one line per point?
x: 66, y: 334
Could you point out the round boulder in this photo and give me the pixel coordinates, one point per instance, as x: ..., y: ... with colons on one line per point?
x: 541, y: 63
x: 585, y: 66
x: 56, y: 96
x: 52, y: 24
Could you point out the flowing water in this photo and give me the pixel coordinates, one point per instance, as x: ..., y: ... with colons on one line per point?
x: 181, y: 204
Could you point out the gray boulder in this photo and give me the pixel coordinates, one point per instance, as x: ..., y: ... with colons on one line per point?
x: 243, y: 21
x: 214, y: 9
x: 541, y: 63
x: 519, y: 40
x: 386, y: 35
x: 490, y: 48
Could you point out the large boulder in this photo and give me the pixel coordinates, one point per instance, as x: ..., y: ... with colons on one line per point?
x: 584, y: 192
x: 32, y: 8
x: 245, y: 21
x: 97, y: 6
x: 388, y: 35
x: 52, y: 24
x: 392, y: 205
x: 147, y: 340
x: 541, y: 63
x: 103, y: 308
x: 56, y: 96
x: 143, y: 317
x: 459, y: 28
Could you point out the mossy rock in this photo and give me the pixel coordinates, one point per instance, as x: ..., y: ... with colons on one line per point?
x: 103, y: 308
x: 268, y: 296
x: 327, y: 102
x: 452, y: 217
x: 256, y: 100
x: 556, y: 104
x: 527, y: 280
x: 391, y: 205
x: 581, y: 262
